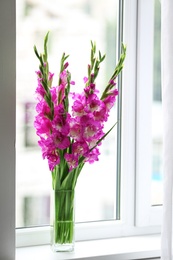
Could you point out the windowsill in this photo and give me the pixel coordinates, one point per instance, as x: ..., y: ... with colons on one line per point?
x: 124, y: 248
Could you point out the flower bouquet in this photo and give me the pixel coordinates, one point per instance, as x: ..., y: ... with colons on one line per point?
x: 70, y: 127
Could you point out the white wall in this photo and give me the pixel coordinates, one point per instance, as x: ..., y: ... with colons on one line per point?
x: 7, y: 129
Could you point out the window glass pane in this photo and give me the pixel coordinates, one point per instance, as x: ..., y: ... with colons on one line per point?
x: 157, y: 112
x: 72, y: 24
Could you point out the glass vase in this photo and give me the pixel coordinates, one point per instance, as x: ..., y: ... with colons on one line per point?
x: 62, y: 211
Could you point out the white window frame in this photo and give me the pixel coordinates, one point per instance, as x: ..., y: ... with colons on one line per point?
x: 130, y: 223
x: 146, y: 214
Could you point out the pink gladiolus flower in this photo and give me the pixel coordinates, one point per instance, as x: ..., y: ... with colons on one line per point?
x: 40, y: 90
x: 91, y: 129
x: 93, y: 156
x: 49, y: 152
x: 72, y: 82
x: 61, y: 121
x: 53, y: 92
x: 75, y: 129
x: 85, y: 79
x: 93, y: 103
x: 78, y: 108
x: 42, y: 125
x: 110, y: 100
x: 61, y: 125
x: 70, y: 125
x: 53, y: 160
x: 112, y: 82
x: 101, y: 114
x: 72, y: 161
x: 50, y: 76
x: 80, y: 148
x: 42, y: 108
x: 89, y: 90
x: 61, y: 93
x: 60, y: 141
x: 38, y: 73
x: 63, y: 77
x: 66, y: 65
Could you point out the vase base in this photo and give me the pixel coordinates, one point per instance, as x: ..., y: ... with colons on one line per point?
x: 63, y: 247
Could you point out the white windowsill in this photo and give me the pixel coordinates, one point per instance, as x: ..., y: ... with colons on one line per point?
x: 124, y: 248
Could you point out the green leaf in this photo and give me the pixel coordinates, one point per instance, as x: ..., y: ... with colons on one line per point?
x: 36, y: 52
x: 103, y: 58
x: 45, y: 46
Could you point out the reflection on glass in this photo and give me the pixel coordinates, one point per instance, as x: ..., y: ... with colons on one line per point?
x: 157, y: 112
x: 72, y: 25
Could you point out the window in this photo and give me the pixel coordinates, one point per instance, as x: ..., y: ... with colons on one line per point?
x: 149, y: 117
x: 131, y: 201
x: 95, y: 201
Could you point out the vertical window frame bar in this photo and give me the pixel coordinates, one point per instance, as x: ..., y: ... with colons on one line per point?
x: 119, y: 111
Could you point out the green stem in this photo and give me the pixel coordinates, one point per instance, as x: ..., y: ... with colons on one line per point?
x: 63, y: 216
